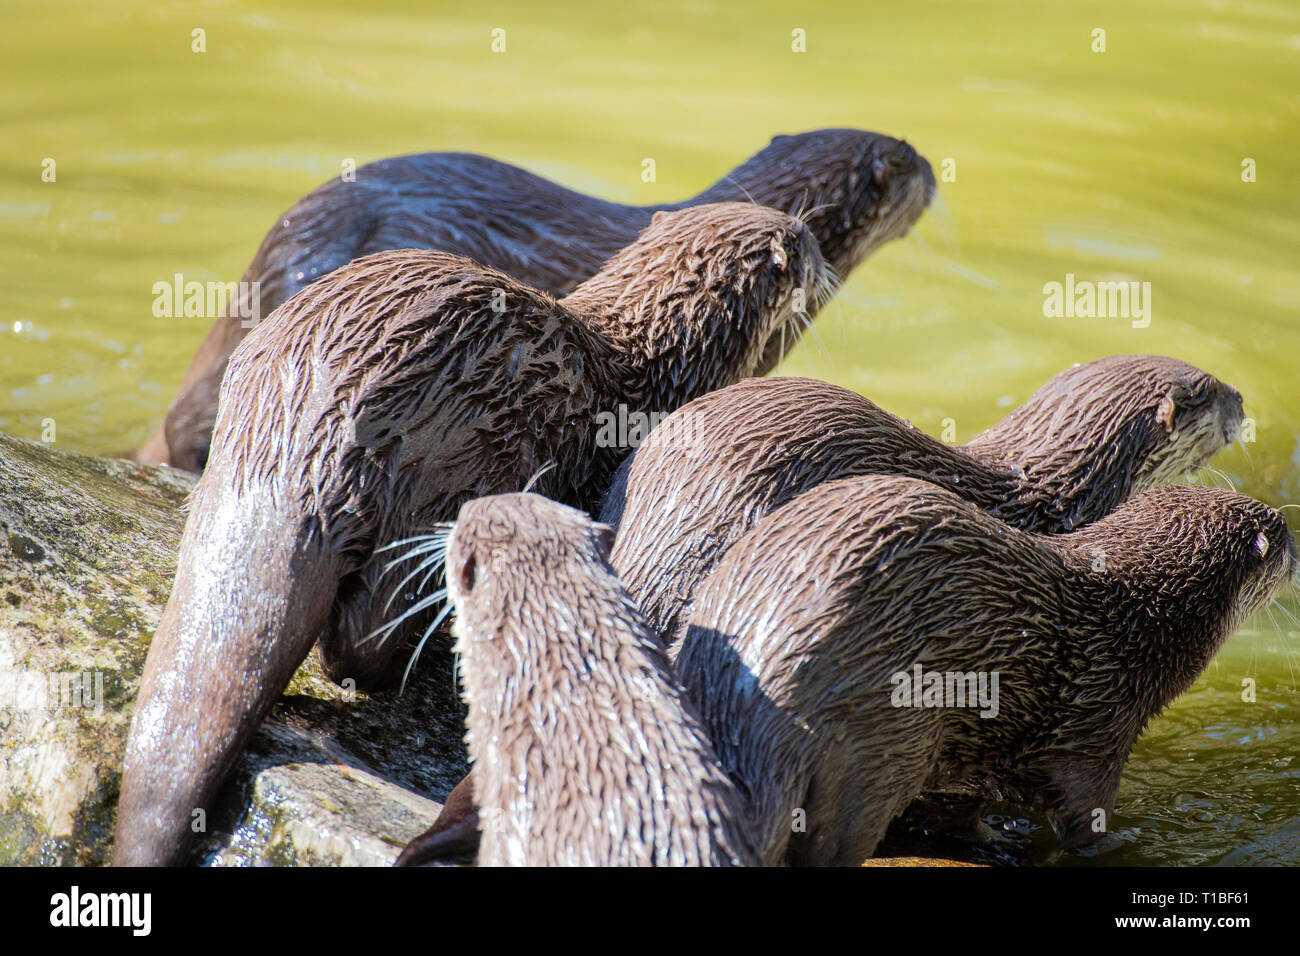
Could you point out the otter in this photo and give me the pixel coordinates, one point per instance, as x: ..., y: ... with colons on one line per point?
x: 581, y: 737
x: 813, y: 647
x: 1087, y: 440
x: 855, y: 189
x: 377, y: 401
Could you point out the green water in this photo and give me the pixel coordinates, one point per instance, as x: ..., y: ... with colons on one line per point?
x: 1125, y: 164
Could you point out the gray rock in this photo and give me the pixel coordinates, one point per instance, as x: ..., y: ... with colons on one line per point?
x: 87, y: 555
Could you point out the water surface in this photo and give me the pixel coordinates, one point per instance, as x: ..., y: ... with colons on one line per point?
x: 1125, y: 164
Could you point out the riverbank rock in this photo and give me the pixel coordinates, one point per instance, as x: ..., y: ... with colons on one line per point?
x: 87, y: 554
x: 919, y: 861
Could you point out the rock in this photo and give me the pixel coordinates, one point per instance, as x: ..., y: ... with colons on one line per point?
x: 87, y: 555
x: 339, y: 778
x: 911, y: 861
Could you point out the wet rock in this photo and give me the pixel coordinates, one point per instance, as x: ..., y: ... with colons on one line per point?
x: 913, y: 861
x: 87, y: 554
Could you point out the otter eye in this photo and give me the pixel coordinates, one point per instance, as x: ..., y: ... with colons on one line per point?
x: 778, y: 255
x: 467, y: 571
x: 1261, y: 544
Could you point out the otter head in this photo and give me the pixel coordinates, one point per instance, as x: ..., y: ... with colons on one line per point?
x: 1238, y: 554
x: 1164, y: 580
x: 1199, y: 416
x: 1187, y: 566
x: 502, y: 551
x: 856, y: 190
x: 1102, y: 431
x: 694, y: 301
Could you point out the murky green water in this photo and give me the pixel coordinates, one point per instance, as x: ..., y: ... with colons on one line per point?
x: 1125, y: 164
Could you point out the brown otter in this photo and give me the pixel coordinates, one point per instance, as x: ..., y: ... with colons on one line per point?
x: 581, y: 736
x: 814, y: 646
x: 855, y: 189
x: 1090, y: 438
x: 374, y: 403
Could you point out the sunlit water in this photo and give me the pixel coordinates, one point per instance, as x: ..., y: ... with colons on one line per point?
x: 1125, y: 164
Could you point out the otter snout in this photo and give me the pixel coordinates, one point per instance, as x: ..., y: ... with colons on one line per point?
x: 1231, y: 412
x: 918, y: 165
x: 902, y: 167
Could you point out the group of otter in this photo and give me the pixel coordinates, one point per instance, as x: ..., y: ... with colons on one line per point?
x: 709, y: 673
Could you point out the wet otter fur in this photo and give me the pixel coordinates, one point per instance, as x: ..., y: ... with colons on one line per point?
x: 1086, y: 441
x: 581, y: 736
x: 375, y: 403
x: 855, y: 189
x: 1092, y: 634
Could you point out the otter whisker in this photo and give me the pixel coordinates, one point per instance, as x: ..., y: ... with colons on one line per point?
x: 1287, y: 613
x: 807, y: 327
x: 431, y: 564
x: 826, y: 283
x: 433, y: 542
x: 735, y: 182
x: 440, y: 529
x: 1227, y: 480
x: 803, y: 215
x: 385, y: 631
x: 1286, y: 651
x: 538, y: 474
x: 841, y: 325
x: 1205, y: 477
x: 415, y: 655
x: 439, y: 548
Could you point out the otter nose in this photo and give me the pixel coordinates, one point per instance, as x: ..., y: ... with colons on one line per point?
x: 927, y: 174
x: 1294, y: 557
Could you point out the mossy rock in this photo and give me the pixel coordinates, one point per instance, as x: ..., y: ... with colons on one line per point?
x: 87, y: 554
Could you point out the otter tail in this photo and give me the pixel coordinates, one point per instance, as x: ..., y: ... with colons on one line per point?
x: 253, y: 591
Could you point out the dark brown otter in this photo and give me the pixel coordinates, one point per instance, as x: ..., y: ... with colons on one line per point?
x: 376, y: 402
x: 1090, y: 438
x: 805, y: 641
x: 855, y: 189
x: 582, y: 740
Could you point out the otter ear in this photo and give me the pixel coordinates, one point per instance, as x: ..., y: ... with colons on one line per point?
x: 781, y: 138
x: 1261, y: 544
x: 778, y: 254
x: 879, y: 172
x: 604, y: 538
x: 1165, y: 412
